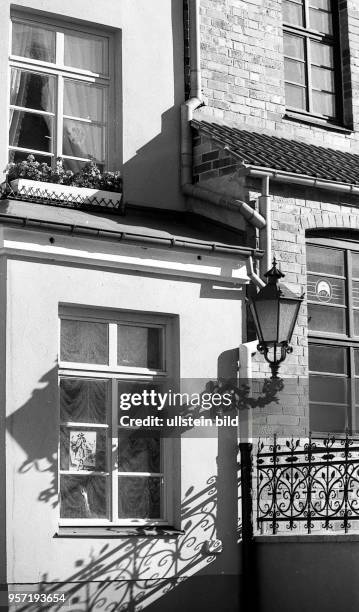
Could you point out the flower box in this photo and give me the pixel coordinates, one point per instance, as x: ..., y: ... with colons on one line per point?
x: 65, y: 194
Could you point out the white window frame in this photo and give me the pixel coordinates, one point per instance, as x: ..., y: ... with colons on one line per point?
x: 114, y: 373
x: 60, y: 72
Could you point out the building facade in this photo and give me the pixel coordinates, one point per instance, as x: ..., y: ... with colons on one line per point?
x: 234, y: 125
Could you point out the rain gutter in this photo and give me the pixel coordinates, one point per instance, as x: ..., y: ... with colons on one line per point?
x: 299, y: 179
x: 199, y: 245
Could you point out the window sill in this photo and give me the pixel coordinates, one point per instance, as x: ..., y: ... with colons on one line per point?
x: 118, y: 532
x: 316, y: 122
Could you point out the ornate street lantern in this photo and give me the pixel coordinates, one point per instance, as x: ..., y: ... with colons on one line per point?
x: 275, y: 310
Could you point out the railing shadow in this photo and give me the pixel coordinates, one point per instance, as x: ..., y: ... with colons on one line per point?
x: 140, y: 570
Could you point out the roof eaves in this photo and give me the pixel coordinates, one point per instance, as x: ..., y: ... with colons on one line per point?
x: 128, y: 235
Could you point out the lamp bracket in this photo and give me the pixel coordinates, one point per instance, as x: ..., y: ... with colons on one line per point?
x: 280, y: 351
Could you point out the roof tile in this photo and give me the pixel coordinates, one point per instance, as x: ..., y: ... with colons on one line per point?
x: 283, y: 154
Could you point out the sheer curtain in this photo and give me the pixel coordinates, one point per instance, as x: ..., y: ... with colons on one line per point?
x: 87, y: 102
x: 84, y: 100
x: 35, y: 43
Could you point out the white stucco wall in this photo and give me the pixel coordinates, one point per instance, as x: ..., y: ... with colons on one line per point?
x: 148, y: 82
x: 208, y: 327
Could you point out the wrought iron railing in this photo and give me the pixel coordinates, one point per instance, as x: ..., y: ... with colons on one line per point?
x: 308, y: 485
x: 73, y: 199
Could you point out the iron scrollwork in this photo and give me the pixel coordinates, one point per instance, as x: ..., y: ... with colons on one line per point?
x: 279, y: 351
x: 313, y: 484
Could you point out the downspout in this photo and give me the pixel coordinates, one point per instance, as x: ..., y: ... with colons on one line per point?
x: 266, y: 234
x: 187, y: 109
x: 256, y: 280
x: 195, y: 100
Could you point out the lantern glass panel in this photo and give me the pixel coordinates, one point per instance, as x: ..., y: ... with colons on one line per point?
x: 287, y: 317
x: 267, y: 314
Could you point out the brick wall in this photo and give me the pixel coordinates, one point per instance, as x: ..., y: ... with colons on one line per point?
x: 243, y: 69
x: 210, y: 160
x: 294, y: 211
x: 243, y: 84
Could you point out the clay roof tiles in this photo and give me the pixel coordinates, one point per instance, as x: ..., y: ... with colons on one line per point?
x: 266, y: 151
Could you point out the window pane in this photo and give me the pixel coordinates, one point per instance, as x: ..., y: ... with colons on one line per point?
x: 322, y: 55
x: 326, y: 319
x: 356, y: 294
x: 294, y: 71
x: 86, y: 52
x: 33, y: 42
x: 295, y: 96
x: 293, y: 12
x: 356, y: 322
x: 356, y: 359
x: 325, y: 5
x: 324, y: 358
x: 325, y: 261
x: 83, y: 400
x: 17, y: 156
x: 84, y: 342
x: 84, y: 101
x: 83, y: 497
x: 83, y: 449
x: 139, y: 346
x: 355, y: 265
x: 76, y: 165
x: 32, y: 90
x: 324, y: 103
x: 320, y: 21
x: 139, y: 451
x: 83, y: 140
x: 326, y: 290
x: 294, y: 46
x: 30, y: 131
x: 139, y: 497
x: 327, y: 418
x: 323, y: 78
x: 328, y: 389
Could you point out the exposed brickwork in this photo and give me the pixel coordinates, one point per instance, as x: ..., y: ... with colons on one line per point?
x: 243, y: 69
x: 294, y: 212
x: 243, y: 85
x: 210, y: 160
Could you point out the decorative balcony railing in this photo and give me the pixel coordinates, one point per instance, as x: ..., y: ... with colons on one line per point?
x: 308, y: 485
x: 62, y: 195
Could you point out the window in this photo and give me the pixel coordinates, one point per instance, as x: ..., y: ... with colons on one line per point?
x: 312, y: 58
x: 59, y: 94
x: 333, y: 322
x: 108, y: 473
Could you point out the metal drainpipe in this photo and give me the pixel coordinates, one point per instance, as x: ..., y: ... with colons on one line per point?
x: 195, y: 100
x: 187, y: 110
x: 266, y: 234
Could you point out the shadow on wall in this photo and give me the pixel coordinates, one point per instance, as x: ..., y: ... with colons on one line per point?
x: 32, y: 427
x: 142, y: 569
x: 152, y: 174
x: 139, y: 571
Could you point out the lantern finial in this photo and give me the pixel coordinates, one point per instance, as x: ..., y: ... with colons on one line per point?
x: 273, y: 275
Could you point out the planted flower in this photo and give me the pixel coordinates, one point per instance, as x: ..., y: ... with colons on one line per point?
x: 89, y: 176
x: 27, y: 178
